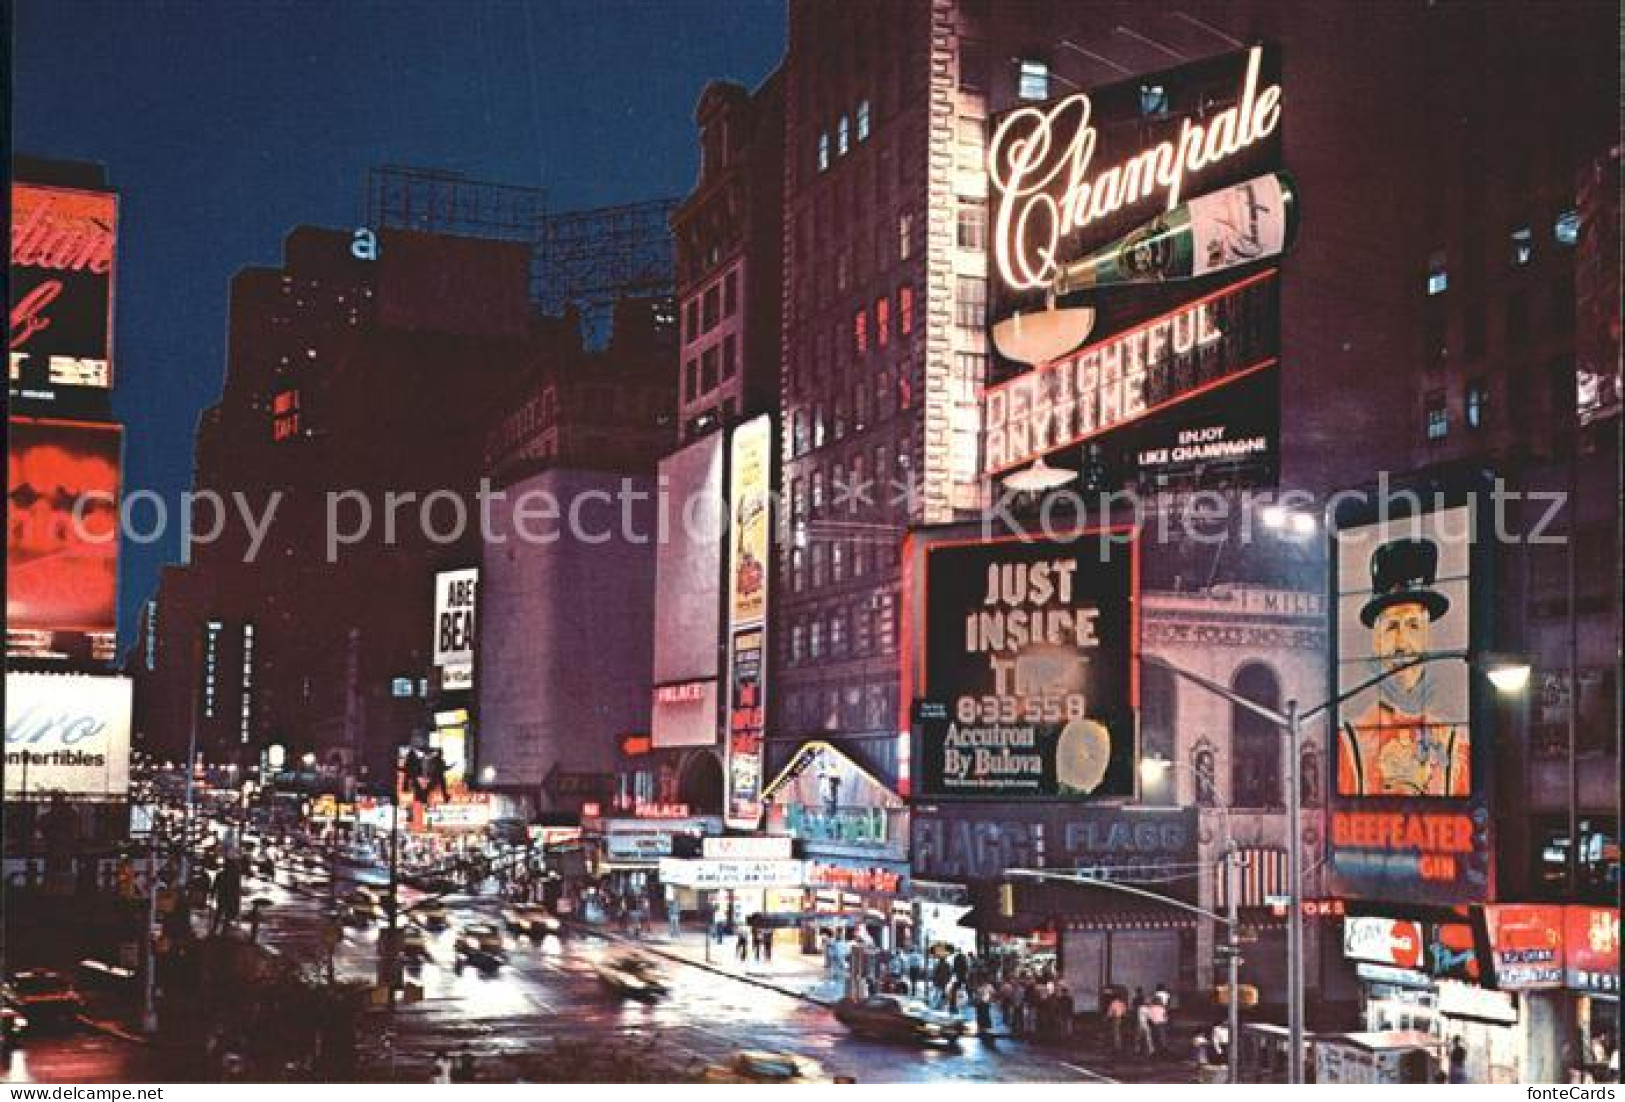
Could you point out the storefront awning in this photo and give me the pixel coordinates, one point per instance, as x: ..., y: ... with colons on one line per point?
x: 991, y: 921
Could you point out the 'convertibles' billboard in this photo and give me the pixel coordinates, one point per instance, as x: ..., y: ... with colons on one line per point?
x: 68, y: 734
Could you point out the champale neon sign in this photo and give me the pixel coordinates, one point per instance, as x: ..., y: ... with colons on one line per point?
x: 1046, y: 189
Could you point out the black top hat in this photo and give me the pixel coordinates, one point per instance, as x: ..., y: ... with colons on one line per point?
x: 1402, y: 572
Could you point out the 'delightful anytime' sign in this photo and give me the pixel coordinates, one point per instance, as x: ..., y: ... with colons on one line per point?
x: 1029, y: 669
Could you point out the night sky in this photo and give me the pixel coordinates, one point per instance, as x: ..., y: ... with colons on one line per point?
x: 225, y: 124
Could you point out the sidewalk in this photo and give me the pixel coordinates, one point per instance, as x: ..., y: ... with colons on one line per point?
x: 789, y: 972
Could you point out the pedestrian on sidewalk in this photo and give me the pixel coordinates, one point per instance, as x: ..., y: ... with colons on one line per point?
x: 1157, y: 1014
x: 1143, y: 1045
x: 767, y: 944
x: 916, y: 973
x: 742, y: 944
x: 940, y: 975
x: 442, y: 1067
x: 463, y: 1070
x: 1116, y: 1020
x: 984, y: 1008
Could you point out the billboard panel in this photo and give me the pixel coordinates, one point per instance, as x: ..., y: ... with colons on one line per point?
x: 750, y: 484
x: 1409, y: 798
x: 68, y: 734
x: 688, y: 565
x: 1030, y: 654
x: 62, y: 526
x: 1142, y: 221
x: 455, y: 598
x: 63, y: 245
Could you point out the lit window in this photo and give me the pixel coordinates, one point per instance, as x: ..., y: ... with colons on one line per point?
x: 1478, y: 396
x: 882, y: 321
x: 860, y: 331
x: 970, y: 301
x: 285, y: 415
x: 1153, y: 101
x: 972, y: 64
x: 823, y: 152
x: 1438, y: 416
x: 1523, y: 246
x: 843, y: 137
x: 972, y: 225
x: 905, y: 310
x: 905, y: 235
x: 863, y: 121
x: 1438, y: 276
x: 1034, y: 80
x: 1567, y: 228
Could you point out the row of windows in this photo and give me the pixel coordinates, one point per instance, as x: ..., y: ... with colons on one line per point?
x: 866, y: 627
x: 847, y: 708
x: 819, y: 562
x: 704, y: 312
x: 1517, y: 325
x: 882, y: 321
x: 843, y: 136
x: 710, y: 369
x: 1520, y: 250
x: 1436, y: 409
x: 852, y: 410
x: 1032, y: 75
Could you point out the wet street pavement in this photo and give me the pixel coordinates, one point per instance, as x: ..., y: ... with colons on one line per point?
x: 546, y: 995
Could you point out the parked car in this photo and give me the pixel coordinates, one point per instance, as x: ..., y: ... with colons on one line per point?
x: 748, y: 1066
x: 480, y: 944
x: 530, y: 919
x: 633, y: 977
x: 44, y: 996
x: 895, y: 1017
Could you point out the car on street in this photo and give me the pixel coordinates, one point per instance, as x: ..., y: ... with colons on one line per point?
x: 480, y: 944
x: 530, y: 919
x: 893, y: 1017
x: 12, y: 1018
x: 633, y: 977
x: 361, y: 907
x: 414, y: 945
x: 750, y: 1066
x: 429, y: 916
x: 44, y: 996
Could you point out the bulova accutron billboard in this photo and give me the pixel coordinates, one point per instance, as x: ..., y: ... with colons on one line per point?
x: 1030, y: 658
x: 1135, y: 240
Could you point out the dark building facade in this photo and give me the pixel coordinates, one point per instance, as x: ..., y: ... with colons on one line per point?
x: 359, y: 384
x: 728, y: 236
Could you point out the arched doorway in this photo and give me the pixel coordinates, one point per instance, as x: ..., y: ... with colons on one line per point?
x: 700, y: 785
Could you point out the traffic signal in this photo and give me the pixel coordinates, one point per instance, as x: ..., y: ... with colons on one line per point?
x: 1007, y: 900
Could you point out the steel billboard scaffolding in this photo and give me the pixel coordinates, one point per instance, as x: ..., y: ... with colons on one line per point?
x: 587, y: 258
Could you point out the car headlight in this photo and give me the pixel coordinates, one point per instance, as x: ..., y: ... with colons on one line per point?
x: 931, y: 1029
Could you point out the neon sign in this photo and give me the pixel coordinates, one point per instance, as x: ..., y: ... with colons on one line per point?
x: 1046, y: 190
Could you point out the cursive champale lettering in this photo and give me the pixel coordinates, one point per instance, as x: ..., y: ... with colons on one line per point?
x: 1045, y: 190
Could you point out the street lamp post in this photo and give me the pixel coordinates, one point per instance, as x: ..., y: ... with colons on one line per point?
x: 1232, y: 925
x: 1507, y: 675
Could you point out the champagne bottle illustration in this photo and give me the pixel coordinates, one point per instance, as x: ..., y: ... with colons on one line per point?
x: 1247, y: 222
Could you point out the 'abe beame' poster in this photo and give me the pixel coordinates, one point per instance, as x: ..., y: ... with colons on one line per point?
x: 1029, y: 677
